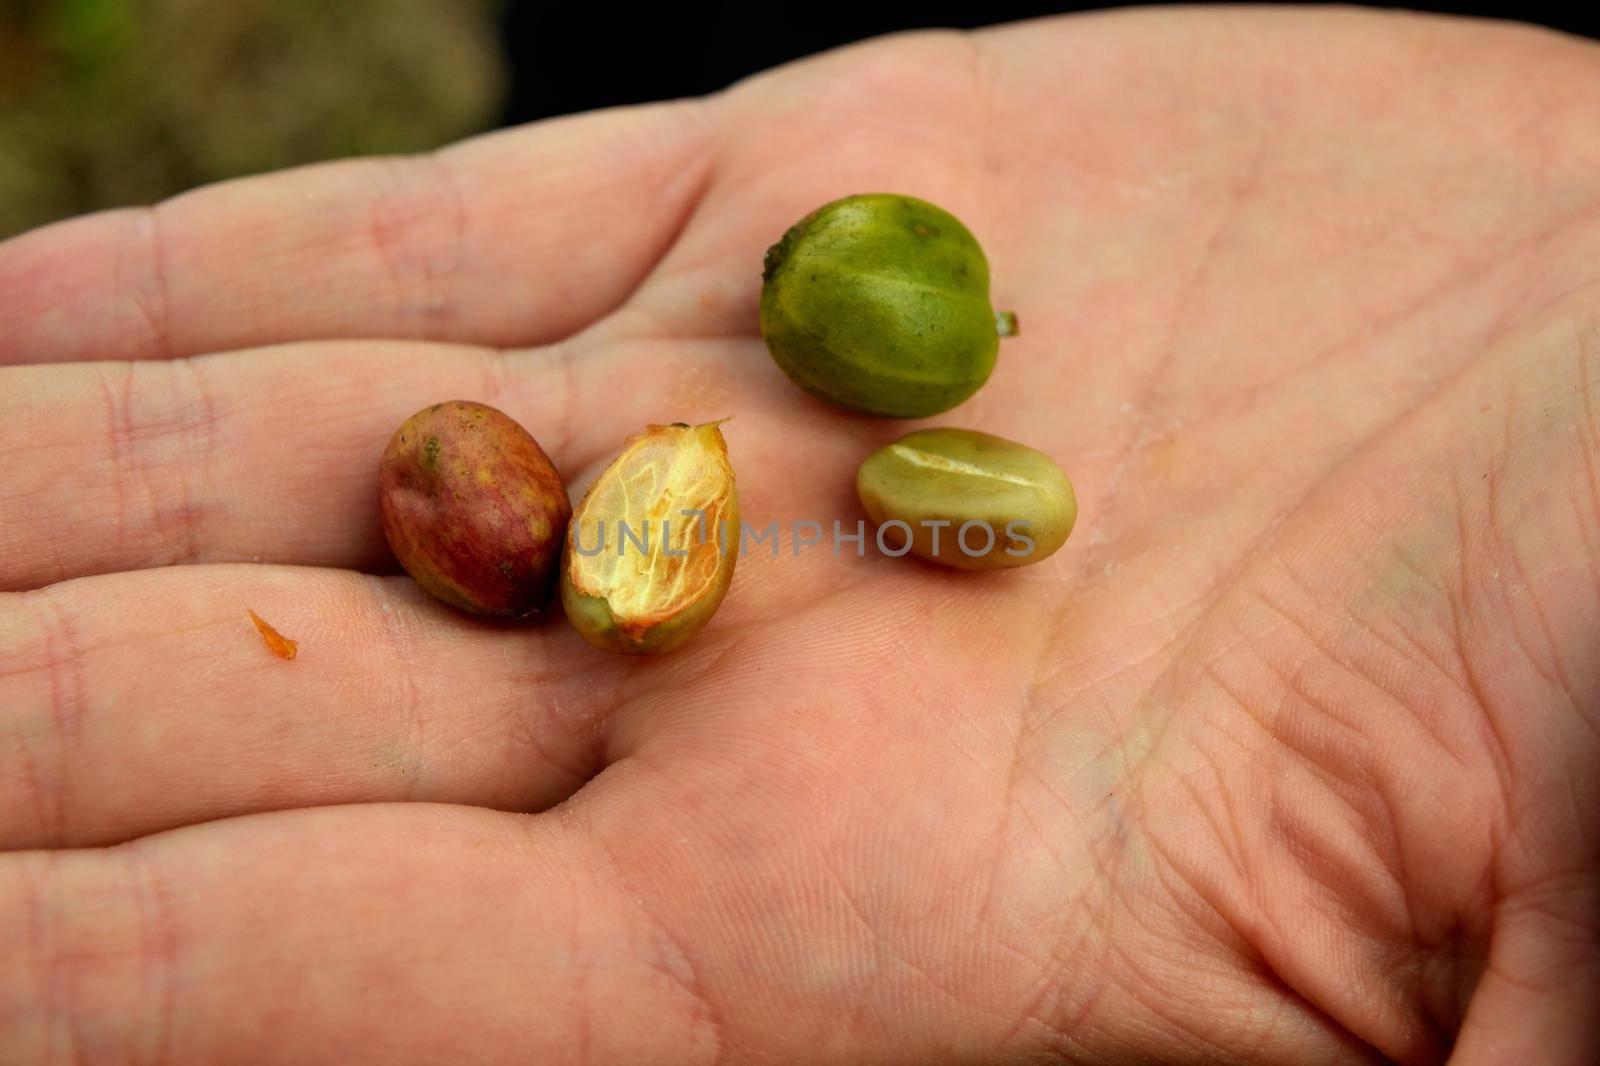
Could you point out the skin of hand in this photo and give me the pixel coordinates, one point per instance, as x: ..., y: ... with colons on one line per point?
x: 1288, y: 756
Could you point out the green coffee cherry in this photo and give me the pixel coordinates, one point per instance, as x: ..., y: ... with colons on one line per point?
x: 967, y: 499
x: 880, y: 303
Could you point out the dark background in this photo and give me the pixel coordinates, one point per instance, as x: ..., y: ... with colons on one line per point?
x: 573, y: 56
x: 105, y: 103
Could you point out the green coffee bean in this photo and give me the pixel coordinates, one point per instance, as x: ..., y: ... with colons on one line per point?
x: 967, y: 499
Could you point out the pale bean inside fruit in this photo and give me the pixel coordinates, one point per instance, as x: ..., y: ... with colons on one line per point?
x: 651, y: 549
x: 967, y: 499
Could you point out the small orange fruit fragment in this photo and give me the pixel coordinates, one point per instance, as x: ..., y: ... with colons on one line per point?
x: 280, y: 645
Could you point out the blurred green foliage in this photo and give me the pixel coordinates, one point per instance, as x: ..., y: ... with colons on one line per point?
x: 111, y: 102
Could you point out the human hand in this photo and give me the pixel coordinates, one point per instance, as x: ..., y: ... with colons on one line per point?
x: 1288, y: 756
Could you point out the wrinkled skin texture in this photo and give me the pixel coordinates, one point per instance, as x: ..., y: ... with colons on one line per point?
x: 1288, y: 756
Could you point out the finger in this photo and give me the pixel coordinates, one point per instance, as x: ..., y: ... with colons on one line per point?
x: 137, y: 702
x: 273, y: 455
x: 519, y: 237
x: 425, y: 933
x: 406, y: 933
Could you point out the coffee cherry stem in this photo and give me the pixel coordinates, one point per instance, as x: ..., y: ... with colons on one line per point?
x: 1005, y: 323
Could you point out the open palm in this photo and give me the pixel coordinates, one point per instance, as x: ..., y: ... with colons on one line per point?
x: 1288, y: 756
